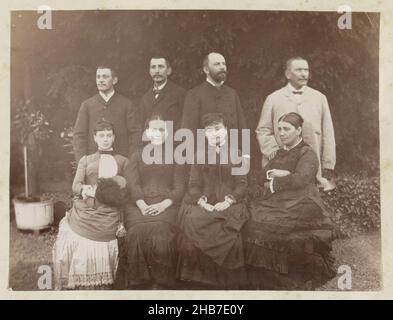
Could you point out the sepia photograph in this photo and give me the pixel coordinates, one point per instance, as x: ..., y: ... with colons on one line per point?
x: 195, y: 150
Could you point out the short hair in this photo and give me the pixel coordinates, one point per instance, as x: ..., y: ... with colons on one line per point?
x: 161, y: 56
x: 108, y: 66
x: 103, y: 125
x: 111, y: 191
x: 154, y: 116
x: 289, y: 61
x: 205, y: 62
x: 293, y: 118
x: 210, y: 119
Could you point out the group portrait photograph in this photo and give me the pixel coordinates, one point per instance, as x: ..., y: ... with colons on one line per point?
x: 194, y: 150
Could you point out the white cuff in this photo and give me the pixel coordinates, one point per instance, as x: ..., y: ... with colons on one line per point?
x: 202, y: 199
x: 271, y: 185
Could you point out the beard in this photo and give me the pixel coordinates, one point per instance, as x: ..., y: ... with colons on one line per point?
x: 219, y: 77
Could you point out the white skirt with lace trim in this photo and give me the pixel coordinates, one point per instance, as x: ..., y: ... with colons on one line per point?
x: 81, y: 262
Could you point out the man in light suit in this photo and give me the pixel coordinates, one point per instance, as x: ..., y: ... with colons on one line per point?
x: 312, y: 105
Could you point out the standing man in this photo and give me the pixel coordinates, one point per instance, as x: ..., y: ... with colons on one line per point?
x: 110, y: 106
x: 213, y: 96
x: 165, y: 98
x: 312, y: 105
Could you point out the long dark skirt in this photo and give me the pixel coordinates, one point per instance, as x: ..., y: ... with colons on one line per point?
x: 288, y: 248
x: 211, y: 247
x: 148, y: 251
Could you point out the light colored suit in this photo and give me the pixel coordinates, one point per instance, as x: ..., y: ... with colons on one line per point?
x: 318, y: 129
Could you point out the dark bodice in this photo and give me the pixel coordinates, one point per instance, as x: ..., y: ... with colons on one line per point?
x: 158, y: 181
x: 215, y: 181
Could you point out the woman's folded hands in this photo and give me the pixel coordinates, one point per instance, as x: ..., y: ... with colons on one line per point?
x: 153, y: 209
x: 220, y: 206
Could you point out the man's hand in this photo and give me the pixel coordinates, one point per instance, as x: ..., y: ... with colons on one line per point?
x: 328, y: 173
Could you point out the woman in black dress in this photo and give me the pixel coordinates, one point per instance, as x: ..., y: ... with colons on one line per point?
x: 211, y: 217
x: 148, y: 256
x: 288, y: 237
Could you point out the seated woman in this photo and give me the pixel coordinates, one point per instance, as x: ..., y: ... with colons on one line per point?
x: 148, y: 257
x: 288, y: 237
x: 211, y: 217
x: 85, y: 253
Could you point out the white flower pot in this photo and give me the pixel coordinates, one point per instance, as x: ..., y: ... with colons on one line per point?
x: 33, y: 215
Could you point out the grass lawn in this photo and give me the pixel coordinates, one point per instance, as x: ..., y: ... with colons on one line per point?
x: 27, y: 253
x: 362, y: 253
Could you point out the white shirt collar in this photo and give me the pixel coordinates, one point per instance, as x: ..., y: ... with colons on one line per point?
x: 110, y: 149
x: 161, y: 86
x: 106, y: 97
x: 215, y: 84
x: 287, y: 149
x: 291, y: 88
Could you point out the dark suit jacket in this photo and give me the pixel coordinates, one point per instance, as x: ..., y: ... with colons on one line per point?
x: 169, y: 104
x: 119, y: 111
x: 206, y: 98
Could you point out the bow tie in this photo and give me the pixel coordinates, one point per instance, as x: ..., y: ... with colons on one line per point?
x: 297, y: 92
x: 111, y: 152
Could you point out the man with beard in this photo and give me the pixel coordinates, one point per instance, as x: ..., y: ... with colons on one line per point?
x: 213, y: 96
x: 110, y: 106
x: 165, y: 98
x: 312, y: 105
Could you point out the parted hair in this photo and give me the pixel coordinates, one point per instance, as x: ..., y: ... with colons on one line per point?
x: 154, y: 116
x: 293, y: 118
x: 108, y: 66
x: 161, y: 56
x: 104, y: 125
x: 209, y: 119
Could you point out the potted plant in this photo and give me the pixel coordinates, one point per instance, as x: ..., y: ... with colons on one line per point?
x: 32, y: 129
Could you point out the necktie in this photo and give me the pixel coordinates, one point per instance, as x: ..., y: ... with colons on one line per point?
x: 156, y: 92
x: 297, y: 92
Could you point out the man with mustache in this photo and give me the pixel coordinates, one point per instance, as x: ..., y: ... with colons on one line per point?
x: 110, y: 106
x: 312, y: 105
x: 165, y: 98
x: 213, y: 96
